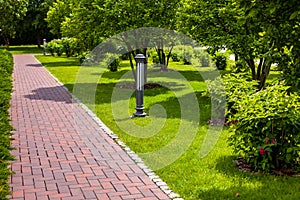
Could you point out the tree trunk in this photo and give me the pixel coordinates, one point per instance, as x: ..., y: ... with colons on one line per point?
x: 38, y: 38
x: 251, y: 64
x: 146, y: 64
x: 265, y: 73
x: 261, y: 62
x: 130, y: 53
x: 169, y: 56
x: 132, y: 65
x: 6, y: 40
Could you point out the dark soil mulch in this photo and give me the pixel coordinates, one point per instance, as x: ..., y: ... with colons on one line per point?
x: 147, y: 86
x: 245, y: 167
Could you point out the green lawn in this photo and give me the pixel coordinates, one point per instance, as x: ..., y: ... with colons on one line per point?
x: 212, y: 177
x: 24, y: 49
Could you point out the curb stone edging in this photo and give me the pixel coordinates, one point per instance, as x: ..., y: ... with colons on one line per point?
x: 150, y: 173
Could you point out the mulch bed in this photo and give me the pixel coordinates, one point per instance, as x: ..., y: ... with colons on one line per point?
x: 147, y: 86
x: 245, y: 167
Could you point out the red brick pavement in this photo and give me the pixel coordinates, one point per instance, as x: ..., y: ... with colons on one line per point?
x: 58, y: 159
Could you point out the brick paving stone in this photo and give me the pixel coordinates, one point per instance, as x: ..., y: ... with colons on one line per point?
x: 61, y: 151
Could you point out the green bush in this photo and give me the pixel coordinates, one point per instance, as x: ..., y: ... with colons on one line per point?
x: 59, y: 47
x: 201, y: 58
x: 6, y: 61
x: 265, y: 124
x: 50, y: 47
x: 187, y: 57
x: 154, y: 57
x: 266, y: 129
x: 66, y: 43
x: 221, y: 61
x: 112, y: 61
x: 232, y: 88
x: 6, y: 68
x: 69, y: 46
x: 55, y: 46
x: 175, y: 57
x: 185, y: 53
x: 82, y: 56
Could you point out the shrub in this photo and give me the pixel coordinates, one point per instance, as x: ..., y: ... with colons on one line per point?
x: 175, y: 57
x: 6, y: 61
x: 185, y: 53
x: 55, y: 46
x: 58, y: 48
x: 154, y: 58
x: 6, y: 68
x: 65, y: 42
x: 82, y: 56
x: 232, y: 88
x: 266, y: 132
x: 112, y: 61
x: 69, y: 46
x: 187, y: 57
x: 201, y: 58
x: 221, y: 61
x: 50, y: 47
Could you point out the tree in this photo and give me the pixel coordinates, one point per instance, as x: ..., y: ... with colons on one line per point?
x: 11, y: 12
x: 280, y: 24
x: 84, y: 22
x: 225, y: 24
x: 56, y: 14
x: 33, y: 27
x: 93, y: 20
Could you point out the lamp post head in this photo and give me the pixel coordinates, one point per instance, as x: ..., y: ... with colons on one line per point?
x: 140, y: 58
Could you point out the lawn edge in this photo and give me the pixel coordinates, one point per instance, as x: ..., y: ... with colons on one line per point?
x: 150, y: 173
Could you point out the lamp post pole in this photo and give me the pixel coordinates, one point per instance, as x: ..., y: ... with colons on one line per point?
x: 44, y: 44
x: 140, y: 81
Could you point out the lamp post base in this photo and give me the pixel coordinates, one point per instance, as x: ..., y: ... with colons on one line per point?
x: 139, y: 114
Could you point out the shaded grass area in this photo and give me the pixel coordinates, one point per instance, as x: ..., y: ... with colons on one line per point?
x: 211, y: 177
x: 24, y: 49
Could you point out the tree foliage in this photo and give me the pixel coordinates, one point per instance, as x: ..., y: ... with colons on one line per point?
x: 259, y: 33
x: 11, y: 12
x: 57, y: 12
x: 33, y: 28
x: 253, y: 30
x: 280, y: 24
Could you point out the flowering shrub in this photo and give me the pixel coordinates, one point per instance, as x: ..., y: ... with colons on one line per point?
x: 266, y: 132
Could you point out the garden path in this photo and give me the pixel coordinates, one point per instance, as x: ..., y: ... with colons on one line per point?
x: 59, y: 159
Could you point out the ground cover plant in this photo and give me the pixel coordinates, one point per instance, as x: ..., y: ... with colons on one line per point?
x: 6, y: 68
x: 212, y: 177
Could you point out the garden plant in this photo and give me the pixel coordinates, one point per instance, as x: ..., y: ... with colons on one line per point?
x: 6, y: 69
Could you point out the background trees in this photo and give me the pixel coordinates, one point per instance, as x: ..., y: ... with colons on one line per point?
x: 259, y: 33
x: 280, y: 26
x: 10, y: 13
x: 33, y: 28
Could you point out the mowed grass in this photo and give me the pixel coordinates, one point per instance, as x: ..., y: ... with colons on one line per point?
x: 211, y: 177
x: 24, y: 49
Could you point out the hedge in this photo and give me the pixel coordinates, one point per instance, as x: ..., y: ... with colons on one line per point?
x: 6, y: 69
